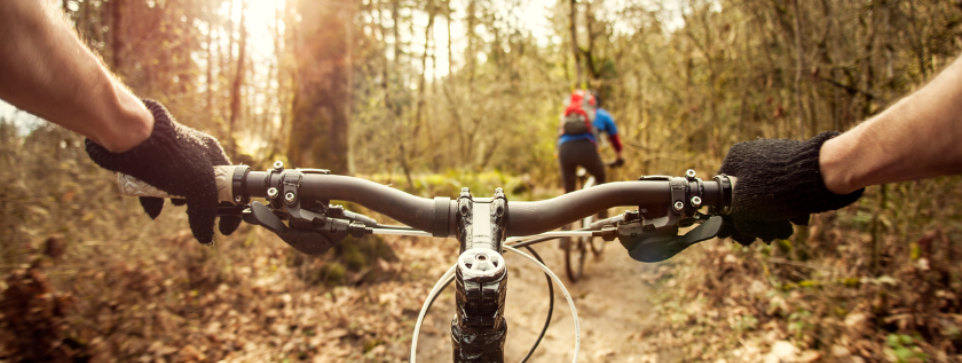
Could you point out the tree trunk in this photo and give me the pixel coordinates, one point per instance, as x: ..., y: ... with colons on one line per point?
x: 116, y: 39
x: 285, y: 75
x: 235, y: 90
x: 422, y: 81
x: 462, y: 146
x: 593, y: 71
x: 573, y: 26
x: 450, y: 56
x: 226, y: 63
x: 397, y: 114
x: 800, y: 63
x: 210, y: 71
x: 322, y: 94
x: 472, y: 56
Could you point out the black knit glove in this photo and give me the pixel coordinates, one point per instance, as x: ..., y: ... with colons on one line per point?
x: 178, y: 160
x: 778, y: 181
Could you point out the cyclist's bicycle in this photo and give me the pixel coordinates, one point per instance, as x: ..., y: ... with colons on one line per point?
x: 484, y: 227
x: 577, y: 249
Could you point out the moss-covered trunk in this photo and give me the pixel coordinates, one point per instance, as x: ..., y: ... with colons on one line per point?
x: 322, y: 89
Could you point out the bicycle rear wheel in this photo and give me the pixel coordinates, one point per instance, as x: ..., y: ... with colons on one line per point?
x: 596, y: 244
x: 576, y: 250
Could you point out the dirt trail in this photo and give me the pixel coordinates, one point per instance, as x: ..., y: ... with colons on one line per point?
x: 613, y: 307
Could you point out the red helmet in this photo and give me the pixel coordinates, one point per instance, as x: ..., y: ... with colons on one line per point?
x: 580, y: 96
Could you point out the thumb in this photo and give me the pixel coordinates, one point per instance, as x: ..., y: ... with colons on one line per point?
x: 228, y: 224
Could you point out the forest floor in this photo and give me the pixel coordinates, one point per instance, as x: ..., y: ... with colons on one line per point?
x: 257, y: 309
x: 262, y: 311
x: 88, y: 277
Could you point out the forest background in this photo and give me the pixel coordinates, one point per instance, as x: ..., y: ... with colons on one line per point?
x: 432, y: 95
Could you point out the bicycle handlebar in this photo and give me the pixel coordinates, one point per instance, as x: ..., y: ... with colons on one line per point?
x: 302, y: 197
x: 438, y: 216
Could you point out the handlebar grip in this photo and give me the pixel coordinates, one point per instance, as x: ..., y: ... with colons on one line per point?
x: 134, y: 187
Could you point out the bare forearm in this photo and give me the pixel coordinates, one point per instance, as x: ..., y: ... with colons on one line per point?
x: 47, y: 71
x: 919, y: 137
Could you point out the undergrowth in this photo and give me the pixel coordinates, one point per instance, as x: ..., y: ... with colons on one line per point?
x: 876, y: 281
x: 87, y: 276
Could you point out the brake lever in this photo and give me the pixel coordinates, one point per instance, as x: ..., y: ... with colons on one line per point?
x: 648, y: 244
x: 309, y: 243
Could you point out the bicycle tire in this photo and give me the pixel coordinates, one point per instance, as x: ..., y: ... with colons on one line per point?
x: 575, y: 253
x: 575, y: 247
x: 596, y: 244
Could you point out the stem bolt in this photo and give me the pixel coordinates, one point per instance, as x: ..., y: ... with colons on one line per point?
x: 690, y: 174
x: 289, y: 197
x: 278, y: 165
x: 272, y: 193
x: 696, y: 201
x: 238, y: 198
x: 679, y: 205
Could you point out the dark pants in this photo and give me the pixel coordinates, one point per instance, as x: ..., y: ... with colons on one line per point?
x: 582, y: 153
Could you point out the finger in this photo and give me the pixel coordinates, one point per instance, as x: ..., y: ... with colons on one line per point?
x: 767, y: 231
x: 727, y: 229
x: 784, y: 230
x: 800, y: 220
x: 743, y: 240
x: 775, y: 230
x: 201, y: 213
x: 724, y: 232
x: 178, y: 202
x: 152, y: 206
x: 228, y: 224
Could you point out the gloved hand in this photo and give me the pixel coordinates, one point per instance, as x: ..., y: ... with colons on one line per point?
x: 178, y: 160
x: 778, y: 181
x: 618, y: 163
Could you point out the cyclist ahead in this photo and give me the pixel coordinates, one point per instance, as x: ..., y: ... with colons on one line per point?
x: 582, y: 123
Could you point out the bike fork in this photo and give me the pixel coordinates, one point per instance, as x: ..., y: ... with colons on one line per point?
x: 479, y: 330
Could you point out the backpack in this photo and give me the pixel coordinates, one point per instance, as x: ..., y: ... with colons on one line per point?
x: 579, y: 114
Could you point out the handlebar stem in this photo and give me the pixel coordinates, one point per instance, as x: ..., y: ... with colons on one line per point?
x: 479, y: 330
